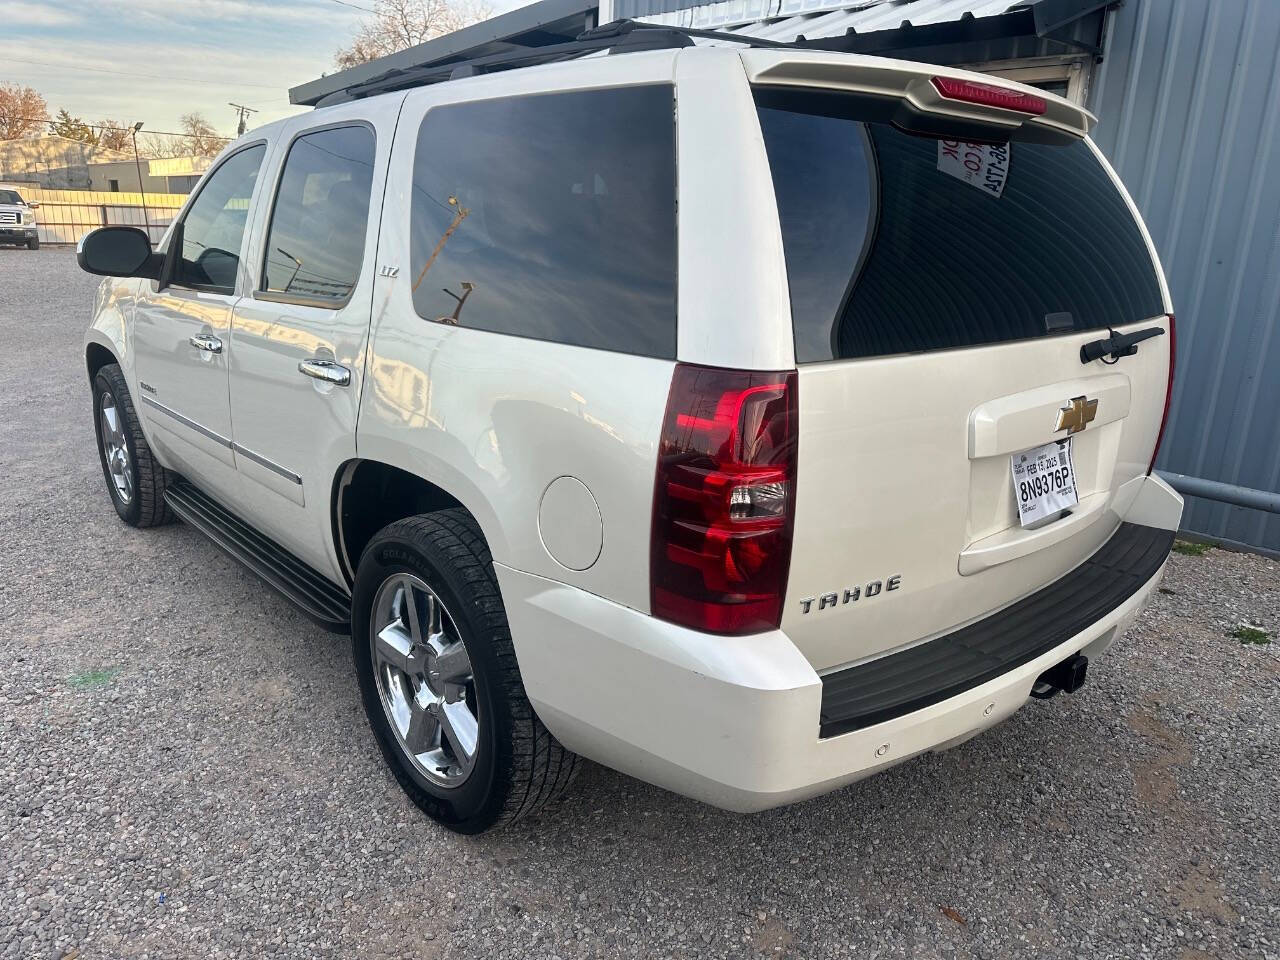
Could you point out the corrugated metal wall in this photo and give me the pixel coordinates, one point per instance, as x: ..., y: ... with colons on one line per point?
x: 1189, y: 101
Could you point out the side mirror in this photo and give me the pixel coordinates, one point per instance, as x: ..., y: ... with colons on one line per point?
x: 34, y: 204
x: 118, y: 252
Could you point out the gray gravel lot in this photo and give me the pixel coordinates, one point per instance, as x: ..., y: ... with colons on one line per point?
x: 185, y: 770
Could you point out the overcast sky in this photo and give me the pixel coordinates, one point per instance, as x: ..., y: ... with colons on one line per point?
x: 154, y: 60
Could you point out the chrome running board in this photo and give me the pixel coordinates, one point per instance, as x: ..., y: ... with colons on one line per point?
x: 312, y: 593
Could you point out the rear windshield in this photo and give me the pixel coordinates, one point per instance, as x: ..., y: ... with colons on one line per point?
x: 897, y: 243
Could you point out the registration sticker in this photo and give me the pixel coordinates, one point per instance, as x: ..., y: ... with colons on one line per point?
x: 981, y: 165
x: 1044, y: 481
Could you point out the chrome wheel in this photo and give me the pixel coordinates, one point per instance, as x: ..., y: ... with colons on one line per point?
x: 424, y: 679
x: 114, y: 448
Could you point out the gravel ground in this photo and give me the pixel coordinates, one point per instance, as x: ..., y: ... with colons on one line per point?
x: 185, y: 770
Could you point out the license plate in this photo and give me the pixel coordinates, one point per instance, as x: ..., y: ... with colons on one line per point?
x: 1044, y: 482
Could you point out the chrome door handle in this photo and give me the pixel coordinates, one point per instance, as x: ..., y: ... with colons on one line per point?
x: 330, y: 371
x: 207, y: 343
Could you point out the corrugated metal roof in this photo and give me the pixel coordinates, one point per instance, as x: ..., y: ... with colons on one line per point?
x: 787, y: 19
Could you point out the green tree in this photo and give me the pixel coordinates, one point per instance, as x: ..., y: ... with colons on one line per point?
x: 73, y: 128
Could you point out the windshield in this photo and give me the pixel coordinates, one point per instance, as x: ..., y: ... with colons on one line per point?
x: 10, y: 196
x: 898, y: 243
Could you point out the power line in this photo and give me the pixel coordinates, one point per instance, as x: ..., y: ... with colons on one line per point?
x: 353, y: 6
x: 242, y: 112
x: 144, y: 76
x: 103, y: 126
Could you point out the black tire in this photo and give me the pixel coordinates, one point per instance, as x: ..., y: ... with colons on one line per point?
x: 146, y: 507
x: 33, y: 243
x: 519, y: 766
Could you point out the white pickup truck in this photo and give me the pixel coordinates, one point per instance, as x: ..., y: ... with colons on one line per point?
x: 748, y: 420
x: 18, y: 220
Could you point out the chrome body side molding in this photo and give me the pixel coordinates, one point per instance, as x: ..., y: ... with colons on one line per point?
x: 222, y: 441
x: 187, y: 422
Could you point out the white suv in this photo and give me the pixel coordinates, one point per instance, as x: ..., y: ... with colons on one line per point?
x: 747, y: 420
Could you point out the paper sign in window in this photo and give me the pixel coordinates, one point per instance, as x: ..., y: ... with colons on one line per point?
x: 984, y: 166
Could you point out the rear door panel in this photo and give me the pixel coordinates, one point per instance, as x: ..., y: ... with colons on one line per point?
x: 293, y: 433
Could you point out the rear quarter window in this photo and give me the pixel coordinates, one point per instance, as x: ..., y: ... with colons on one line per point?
x: 889, y: 251
x: 550, y: 217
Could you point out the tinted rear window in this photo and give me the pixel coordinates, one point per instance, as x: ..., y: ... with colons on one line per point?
x: 551, y: 217
x: 315, y: 244
x: 889, y: 250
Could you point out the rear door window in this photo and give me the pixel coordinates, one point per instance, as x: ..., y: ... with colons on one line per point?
x: 550, y: 217
x: 315, y: 244
x: 898, y: 243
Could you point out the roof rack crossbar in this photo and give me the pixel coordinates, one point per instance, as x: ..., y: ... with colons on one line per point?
x: 622, y: 36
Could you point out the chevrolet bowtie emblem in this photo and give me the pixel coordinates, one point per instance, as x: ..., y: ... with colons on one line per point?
x: 1079, y: 412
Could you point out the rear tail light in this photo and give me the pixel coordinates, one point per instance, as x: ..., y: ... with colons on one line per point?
x: 724, y: 499
x: 1168, y: 391
x: 989, y: 95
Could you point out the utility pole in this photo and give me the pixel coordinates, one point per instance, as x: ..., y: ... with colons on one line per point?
x: 243, y: 113
x: 142, y: 189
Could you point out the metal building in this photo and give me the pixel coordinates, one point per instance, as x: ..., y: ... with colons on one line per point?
x: 1188, y: 96
x: 1188, y: 92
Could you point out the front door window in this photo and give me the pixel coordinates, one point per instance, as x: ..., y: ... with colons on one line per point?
x: 214, y: 226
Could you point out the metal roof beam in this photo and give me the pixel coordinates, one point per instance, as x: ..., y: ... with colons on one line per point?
x: 1052, y: 14
x: 1018, y: 23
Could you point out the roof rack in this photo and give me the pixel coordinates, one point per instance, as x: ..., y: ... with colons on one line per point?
x: 621, y: 36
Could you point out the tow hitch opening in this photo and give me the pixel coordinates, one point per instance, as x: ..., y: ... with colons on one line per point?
x: 1067, y: 677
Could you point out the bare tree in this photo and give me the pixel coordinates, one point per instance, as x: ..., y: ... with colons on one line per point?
x: 198, y: 139
x: 155, y: 146
x: 399, y: 24
x: 201, y: 139
x: 113, y: 135
x: 22, y: 111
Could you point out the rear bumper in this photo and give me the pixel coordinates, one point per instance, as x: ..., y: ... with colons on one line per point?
x: 736, y: 721
x: 927, y: 673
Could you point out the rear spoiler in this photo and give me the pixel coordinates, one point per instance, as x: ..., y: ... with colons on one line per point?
x: 929, y: 99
